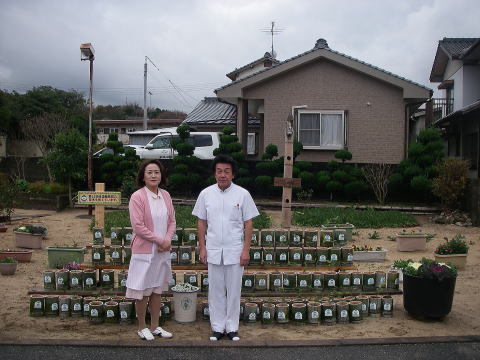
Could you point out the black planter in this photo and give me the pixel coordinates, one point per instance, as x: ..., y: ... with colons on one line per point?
x: 427, y: 298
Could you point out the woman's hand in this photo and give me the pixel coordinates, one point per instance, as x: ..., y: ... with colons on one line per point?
x: 165, y: 246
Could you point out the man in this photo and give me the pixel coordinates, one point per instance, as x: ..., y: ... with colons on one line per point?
x: 225, y: 212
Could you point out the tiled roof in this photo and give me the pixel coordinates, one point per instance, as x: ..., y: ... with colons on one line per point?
x: 267, y: 56
x: 456, y: 47
x: 318, y: 49
x: 211, y: 111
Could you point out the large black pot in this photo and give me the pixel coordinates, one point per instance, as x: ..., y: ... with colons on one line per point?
x: 427, y: 298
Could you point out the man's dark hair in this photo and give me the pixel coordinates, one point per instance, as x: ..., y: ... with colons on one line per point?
x: 141, y: 173
x: 224, y: 159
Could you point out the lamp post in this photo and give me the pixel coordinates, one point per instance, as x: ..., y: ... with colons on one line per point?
x: 88, y: 53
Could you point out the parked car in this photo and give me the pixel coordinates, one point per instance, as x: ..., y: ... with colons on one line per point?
x: 107, y: 150
x: 160, y: 146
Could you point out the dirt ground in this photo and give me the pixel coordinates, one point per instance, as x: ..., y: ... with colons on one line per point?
x: 72, y: 224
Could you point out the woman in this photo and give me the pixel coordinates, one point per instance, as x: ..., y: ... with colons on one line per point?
x: 153, y: 220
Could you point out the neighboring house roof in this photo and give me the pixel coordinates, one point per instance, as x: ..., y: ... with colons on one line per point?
x: 267, y: 59
x: 457, y: 114
x: 321, y: 50
x: 451, y: 49
x: 137, y: 121
x: 212, y: 111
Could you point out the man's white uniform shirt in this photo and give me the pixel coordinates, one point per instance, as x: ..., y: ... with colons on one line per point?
x: 225, y: 212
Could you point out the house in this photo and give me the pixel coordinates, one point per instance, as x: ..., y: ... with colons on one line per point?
x: 457, y: 68
x: 338, y: 102
x: 123, y: 127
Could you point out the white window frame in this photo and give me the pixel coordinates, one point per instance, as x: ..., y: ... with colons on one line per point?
x: 320, y: 112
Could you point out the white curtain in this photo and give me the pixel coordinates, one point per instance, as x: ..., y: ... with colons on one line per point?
x: 321, y: 129
x: 332, y: 130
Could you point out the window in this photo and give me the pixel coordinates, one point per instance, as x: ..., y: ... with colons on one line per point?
x: 202, y: 140
x: 123, y: 131
x: 321, y: 129
x: 163, y: 142
x: 251, y: 144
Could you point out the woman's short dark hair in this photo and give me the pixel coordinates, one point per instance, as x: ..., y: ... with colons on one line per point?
x: 224, y: 159
x: 141, y: 173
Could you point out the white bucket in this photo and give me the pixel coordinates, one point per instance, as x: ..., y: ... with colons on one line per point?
x: 185, y: 306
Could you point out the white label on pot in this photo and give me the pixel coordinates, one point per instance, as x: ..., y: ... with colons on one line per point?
x: 314, y: 314
x: 248, y: 283
x: 37, y: 305
x: 364, y: 307
x: 191, y: 236
x: 298, y: 316
x: 346, y: 282
x: 331, y: 282
x: 175, y: 237
x: 296, y: 238
x: 60, y: 281
x: 262, y: 282
x: 333, y: 257
x: 256, y: 255
x: 349, y: 257
x: 370, y: 281
x: 47, y: 279
x: 283, y: 257
x: 94, y: 313
x: 241, y: 309
x: 343, y: 313
x: 286, y: 282
x: 308, y: 257
x: 317, y: 282
x: 86, y: 307
x: 64, y: 307
x: 77, y: 307
x: 283, y: 238
x: 387, y: 307
x: 115, y: 255
x: 396, y: 281
x: 382, y: 280
x: 341, y: 236
x: 113, y: 235
x: 193, y: 279
x: 206, y: 310
x: 314, y: 238
x: 96, y: 256
x: 74, y: 281
x: 373, y: 306
x: 328, y: 312
x: 89, y: 281
x: 205, y: 281
x: 171, y: 282
x: 281, y: 315
x: 296, y: 256
x: 268, y: 238
x: 355, y: 313
x: 173, y: 255
x: 303, y: 283
x: 106, y: 277
x: 123, y: 282
x: 98, y: 234
x: 166, y: 310
x: 110, y: 313
x: 268, y: 257
x: 252, y: 316
x: 322, y: 258
x: 266, y: 315
x: 254, y: 237
x: 356, y: 281
x: 123, y: 314
x: 54, y: 306
x: 185, y: 256
x: 327, y: 237
x: 128, y: 236
x: 276, y: 282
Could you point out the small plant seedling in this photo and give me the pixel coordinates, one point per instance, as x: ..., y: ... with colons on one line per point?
x: 374, y: 236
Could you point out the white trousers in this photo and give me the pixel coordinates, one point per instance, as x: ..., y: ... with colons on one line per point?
x: 224, y: 292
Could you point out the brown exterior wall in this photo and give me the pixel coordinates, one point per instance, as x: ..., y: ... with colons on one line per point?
x: 375, y: 133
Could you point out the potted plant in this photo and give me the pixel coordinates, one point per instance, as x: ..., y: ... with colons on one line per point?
x: 30, y: 236
x: 368, y: 253
x: 8, y: 266
x: 428, y: 288
x: 399, y: 265
x: 453, y: 251
x: 3, y: 227
x: 19, y: 255
x: 414, y: 240
x: 347, y: 227
x: 61, y: 255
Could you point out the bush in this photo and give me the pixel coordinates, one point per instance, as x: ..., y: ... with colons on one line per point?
x: 36, y: 187
x: 334, y: 186
x: 129, y: 186
x: 420, y: 184
x: 451, y: 182
x: 355, y: 187
x: 264, y: 183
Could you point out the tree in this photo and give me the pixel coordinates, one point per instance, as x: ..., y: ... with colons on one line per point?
x: 451, y: 182
x: 377, y: 175
x: 68, y: 158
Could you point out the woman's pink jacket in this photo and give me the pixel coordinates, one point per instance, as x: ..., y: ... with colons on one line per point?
x: 142, y: 222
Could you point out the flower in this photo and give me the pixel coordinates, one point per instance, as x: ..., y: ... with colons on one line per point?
x: 454, y: 246
x: 429, y: 269
x: 31, y: 229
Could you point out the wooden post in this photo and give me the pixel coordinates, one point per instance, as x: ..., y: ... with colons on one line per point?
x: 99, y: 209
x: 287, y: 174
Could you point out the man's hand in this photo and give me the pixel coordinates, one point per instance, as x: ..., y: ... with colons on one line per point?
x: 203, y: 255
x: 244, y: 258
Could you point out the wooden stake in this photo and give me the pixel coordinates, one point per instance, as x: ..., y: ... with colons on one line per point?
x: 99, y: 209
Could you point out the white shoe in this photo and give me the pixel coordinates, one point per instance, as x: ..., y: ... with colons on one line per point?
x: 162, y: 333
x: 145, y: 334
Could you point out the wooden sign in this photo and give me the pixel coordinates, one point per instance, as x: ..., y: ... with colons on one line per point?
x: 99, y: 198
x: 287, y: 182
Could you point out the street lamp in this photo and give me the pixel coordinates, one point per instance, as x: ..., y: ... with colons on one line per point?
x: 88, y: 53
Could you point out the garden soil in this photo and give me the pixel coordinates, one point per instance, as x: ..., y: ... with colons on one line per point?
x: 72, y: 225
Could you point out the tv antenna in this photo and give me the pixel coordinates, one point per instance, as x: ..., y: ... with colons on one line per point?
x: 272, y: 31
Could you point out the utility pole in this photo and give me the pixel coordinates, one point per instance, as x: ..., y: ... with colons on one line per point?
x: 145, y: 91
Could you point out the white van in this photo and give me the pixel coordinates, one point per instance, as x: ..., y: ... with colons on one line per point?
x: 160, y: 146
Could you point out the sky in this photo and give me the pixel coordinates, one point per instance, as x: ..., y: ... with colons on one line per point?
x: 194, y: 43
